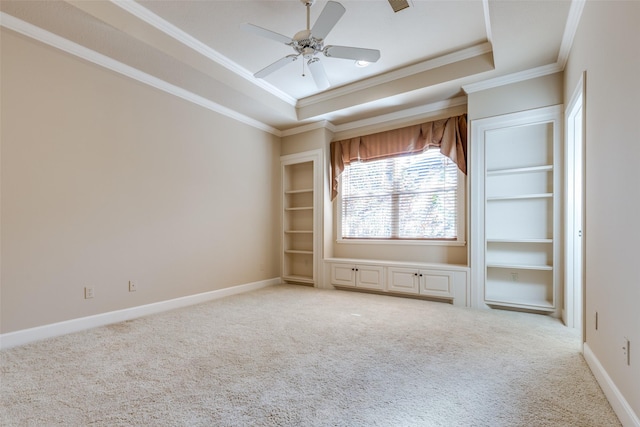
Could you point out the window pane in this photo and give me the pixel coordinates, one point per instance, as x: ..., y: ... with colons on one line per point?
x: 367, y: 217
x: 369, y: 178
x: 407, y: 197
x: 429, y: 215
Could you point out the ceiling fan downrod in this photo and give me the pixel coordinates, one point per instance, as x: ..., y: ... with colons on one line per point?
x: 308, y: 4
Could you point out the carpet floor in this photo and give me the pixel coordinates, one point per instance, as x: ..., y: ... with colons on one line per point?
x: 297, y: 356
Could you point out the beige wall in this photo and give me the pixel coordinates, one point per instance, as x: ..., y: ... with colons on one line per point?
x: 606, y: 46
x: 316, y: 139
x: 526, y: 95
x: 106, y: 180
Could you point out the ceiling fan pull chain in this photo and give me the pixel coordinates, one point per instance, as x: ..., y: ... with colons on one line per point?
x: 303, y: 69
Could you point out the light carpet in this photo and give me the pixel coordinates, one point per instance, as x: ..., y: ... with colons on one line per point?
x: 296, y: 356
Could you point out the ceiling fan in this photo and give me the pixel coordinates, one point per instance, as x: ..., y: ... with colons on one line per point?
x: 310, y: 42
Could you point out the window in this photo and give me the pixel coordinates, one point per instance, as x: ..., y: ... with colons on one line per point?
x: 413, y: 197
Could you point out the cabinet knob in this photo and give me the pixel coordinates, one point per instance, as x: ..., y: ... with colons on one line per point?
x: 420, y: 275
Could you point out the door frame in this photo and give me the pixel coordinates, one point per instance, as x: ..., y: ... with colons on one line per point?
x: 574, y: 305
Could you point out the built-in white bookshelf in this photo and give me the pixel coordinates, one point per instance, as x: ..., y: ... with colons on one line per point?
x: 300, y: 204
x: 516, y: 191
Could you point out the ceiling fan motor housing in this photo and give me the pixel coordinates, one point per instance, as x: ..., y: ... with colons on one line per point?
x: 305, y: 44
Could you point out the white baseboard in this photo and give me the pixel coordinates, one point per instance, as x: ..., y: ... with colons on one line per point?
x: 25, y: 336
x: 623, y: 410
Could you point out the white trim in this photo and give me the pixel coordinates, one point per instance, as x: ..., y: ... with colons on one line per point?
x: 315, y: 156
x: 423, y: 243
x: 188, y: 40
x: 570, y: 29
x: 487, y: 20
x: 520, y: 76
x: 519, y: 118
x: 309, y: 127
x: 75, y: 49
x: 619, y: 404
x: 476, y: 176
x: 25, y: 336
x: 427, y: 65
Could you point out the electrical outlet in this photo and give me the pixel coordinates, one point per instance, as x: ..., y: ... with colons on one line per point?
x: 626, y: 350
x: 88, y: 292
x: 132, y: 286
x: 514, y: 277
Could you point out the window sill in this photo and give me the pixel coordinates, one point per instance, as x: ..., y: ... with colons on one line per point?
x: 402, y: 242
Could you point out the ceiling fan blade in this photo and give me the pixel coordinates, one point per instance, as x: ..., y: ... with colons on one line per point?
x: 275, y: 66
x: 318, y: 73
x: 355, y: 53
x: 329, y: 17
x: 263, y: 32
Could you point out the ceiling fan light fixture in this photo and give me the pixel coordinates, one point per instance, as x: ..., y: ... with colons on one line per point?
x: 361, y: 63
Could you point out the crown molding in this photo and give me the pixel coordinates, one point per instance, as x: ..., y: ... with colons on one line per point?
x: 461, y: 55
x: 570, y: 29
x: 188, y: 40
x: 94, y: 57
x: 487, y: 20
x: 512, y: 78
x: 322, y: 124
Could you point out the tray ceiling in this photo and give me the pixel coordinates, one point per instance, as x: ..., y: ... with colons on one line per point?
x: 428, y: 50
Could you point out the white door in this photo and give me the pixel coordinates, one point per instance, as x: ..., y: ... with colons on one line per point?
x: 574, y: 286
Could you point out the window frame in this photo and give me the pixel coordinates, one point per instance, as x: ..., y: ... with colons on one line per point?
x: 461, y: 203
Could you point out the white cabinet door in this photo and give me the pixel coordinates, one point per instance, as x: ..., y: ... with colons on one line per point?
x: 343, y: 275
x: 360, y: 276
x: 436, y: 283
x: 370, y: 277
x: 403, y: 280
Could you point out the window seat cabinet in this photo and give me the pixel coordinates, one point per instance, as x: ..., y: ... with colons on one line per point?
x: 442, y: 281
x: 358, y: 276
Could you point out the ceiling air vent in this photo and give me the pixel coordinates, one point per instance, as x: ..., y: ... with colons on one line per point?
x: 398, y: 5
